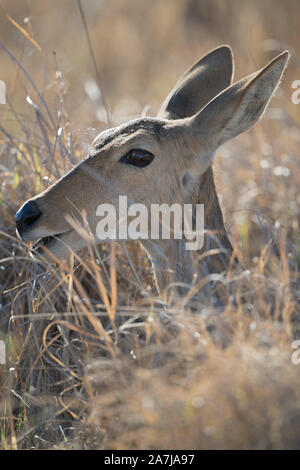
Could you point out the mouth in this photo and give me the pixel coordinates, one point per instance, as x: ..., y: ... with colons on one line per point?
x: 47, y: 242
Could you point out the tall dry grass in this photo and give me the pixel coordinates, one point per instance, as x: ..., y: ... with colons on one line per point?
x: 96, y: 359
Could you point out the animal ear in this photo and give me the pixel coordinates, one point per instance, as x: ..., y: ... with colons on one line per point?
x: 236, y: 109
x: 199, y: 84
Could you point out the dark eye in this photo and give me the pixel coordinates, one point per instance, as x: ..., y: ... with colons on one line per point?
x: 138, y: 157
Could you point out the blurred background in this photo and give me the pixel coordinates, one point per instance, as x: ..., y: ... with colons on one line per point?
x: 140, y: 47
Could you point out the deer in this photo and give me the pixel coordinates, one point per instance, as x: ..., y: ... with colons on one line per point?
x: 155, y: 160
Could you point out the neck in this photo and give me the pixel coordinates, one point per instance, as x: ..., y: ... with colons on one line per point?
x: 175, y: 266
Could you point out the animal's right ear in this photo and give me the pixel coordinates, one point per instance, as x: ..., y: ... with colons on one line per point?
x: 199, y: 84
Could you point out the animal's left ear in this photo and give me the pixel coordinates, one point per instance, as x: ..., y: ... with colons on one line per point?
x: 233, y: 111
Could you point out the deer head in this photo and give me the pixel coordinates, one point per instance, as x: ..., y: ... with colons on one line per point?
x: 165, y: 159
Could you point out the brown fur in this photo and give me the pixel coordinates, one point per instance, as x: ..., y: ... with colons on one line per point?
x: 202, y: 112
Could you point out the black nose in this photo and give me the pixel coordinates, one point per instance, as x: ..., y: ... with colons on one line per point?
x: 26, y: 216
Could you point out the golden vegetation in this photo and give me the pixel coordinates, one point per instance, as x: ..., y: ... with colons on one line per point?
x: 98, y: 361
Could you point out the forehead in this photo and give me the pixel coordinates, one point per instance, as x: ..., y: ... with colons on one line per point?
x: 150, y: 126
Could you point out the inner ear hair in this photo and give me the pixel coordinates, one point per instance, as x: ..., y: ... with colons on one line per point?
x: 199, y: 84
